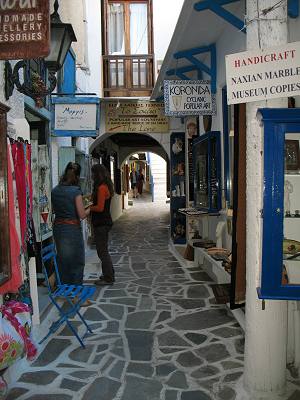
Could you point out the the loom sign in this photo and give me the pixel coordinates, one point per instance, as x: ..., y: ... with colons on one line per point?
x: 24, y: 29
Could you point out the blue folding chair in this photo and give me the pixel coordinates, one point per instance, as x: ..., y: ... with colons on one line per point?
x: 74, y: 295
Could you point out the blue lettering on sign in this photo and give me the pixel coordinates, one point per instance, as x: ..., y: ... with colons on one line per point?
x: 73, y: 113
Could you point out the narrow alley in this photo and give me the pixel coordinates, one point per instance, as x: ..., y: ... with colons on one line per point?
x: 158, y: 334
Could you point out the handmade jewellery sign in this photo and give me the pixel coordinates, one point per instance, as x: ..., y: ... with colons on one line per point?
x: 264, y: 74
x: 189, y: 98
x: 136, y: 116
x: 76, y: 117
x: 24, y: 29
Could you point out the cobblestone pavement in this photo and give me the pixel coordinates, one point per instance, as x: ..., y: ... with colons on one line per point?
x: 158, y: 334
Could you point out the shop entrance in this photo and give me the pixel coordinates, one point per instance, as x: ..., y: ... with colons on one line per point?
x: 41, y: 200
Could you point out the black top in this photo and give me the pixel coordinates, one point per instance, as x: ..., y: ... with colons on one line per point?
x: 103, y: 218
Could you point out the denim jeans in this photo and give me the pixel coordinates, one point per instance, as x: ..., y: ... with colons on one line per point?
x: 70, y: 253
x: 101, y: 239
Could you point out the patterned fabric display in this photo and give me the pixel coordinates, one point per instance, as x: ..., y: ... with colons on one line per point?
x: 15, y: 328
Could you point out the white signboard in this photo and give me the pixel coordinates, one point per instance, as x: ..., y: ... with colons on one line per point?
x: 189, y: 98
x: 263, y: 74
x: 75, y: 117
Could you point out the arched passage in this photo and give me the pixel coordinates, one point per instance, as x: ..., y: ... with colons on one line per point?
x: 130, y: 143
x: 119, y: 147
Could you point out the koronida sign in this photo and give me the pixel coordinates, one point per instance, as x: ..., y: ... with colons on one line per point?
x: 263, y: 74
x: 24, y: 29
x: 189, y: 98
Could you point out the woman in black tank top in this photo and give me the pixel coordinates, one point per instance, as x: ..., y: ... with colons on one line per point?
x: 102, y: 221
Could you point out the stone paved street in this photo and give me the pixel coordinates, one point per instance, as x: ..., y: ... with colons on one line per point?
x: 158, y: 334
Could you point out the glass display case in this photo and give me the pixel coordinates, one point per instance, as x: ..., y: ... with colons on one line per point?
x: 207, y: 167
x: 280, y: 277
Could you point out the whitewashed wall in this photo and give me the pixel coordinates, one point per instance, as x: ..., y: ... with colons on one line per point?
x: 165, y: 16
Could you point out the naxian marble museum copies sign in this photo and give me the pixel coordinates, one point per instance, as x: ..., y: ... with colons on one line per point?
x: 136, y: 116
x: 264, y: 74
x: 184, y: 98
x: 24, y: 29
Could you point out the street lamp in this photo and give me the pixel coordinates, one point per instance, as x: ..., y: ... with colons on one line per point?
x: 62, y: 36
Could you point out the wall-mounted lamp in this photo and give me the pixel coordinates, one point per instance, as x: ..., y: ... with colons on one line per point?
x: 62, y: 36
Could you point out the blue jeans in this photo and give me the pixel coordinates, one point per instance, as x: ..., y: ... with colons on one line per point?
x: 70, y: 253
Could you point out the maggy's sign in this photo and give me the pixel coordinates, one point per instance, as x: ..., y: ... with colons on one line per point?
x: 24, y: 29
x: 263, y: 74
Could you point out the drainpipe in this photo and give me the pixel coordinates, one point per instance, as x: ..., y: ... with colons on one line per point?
x: 266, y: 331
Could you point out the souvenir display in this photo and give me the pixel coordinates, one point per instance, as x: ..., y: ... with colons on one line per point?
x: 178, y: 193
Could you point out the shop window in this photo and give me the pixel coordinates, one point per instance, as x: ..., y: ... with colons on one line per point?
x: 280, y: 278
x: 228, y: 140
x: 67, y: 75
x: 207, y: 167
x: 128, y: 49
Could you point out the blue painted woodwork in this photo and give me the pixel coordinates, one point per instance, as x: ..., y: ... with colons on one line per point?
x: 67, y: 80
x: 208, y: 137
x: 74, y: 295
x: 180, y: 72
x: 197, y: 65
x: 76, y: 100
x: 293, y: 8
x: 277, y: 122
x: 226, y: 144
x: 216, y: 6
x: 42, y: 112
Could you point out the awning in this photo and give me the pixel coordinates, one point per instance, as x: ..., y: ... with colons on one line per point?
x: 192, y: 53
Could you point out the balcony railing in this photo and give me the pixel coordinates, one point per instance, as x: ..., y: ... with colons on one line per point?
x: 128, y: 74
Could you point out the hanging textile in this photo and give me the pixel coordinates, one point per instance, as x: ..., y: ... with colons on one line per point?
x: 15, y: 282
x: 30, y: 232
x: 19, y: 167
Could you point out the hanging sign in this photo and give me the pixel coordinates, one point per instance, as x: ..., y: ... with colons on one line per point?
x: 76, y: 116
x: 136, y: 116
x: 264, y: 74
x: 24, y: 29
x: 189, y: 98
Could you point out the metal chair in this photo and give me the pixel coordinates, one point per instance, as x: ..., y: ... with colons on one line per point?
x: 74, y: 295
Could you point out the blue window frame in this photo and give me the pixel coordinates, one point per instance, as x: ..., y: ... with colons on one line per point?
x: 207, y: 167
x: 277, y: 123
x: 67, y: 75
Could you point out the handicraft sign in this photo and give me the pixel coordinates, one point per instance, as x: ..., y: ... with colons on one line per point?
x: 264, y: 74
x: 189, y: 98
x: 137, y: 117
x: 24, y: 29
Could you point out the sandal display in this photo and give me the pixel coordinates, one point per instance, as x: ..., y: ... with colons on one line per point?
x: 219, y: 254
x: 204, y: 243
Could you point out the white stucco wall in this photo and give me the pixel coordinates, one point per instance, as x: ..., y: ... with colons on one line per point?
x: 165, y: 16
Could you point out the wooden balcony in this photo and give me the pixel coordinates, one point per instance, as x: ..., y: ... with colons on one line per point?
x: 128, y: 76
